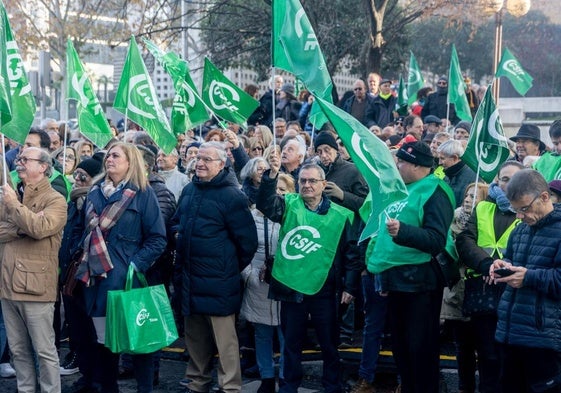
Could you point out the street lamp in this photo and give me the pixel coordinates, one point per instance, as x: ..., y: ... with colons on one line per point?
x: 516, y: 8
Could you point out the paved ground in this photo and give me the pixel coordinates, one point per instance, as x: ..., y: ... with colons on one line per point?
x: 173, y: 364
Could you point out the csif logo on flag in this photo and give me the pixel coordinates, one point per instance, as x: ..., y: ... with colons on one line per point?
x: 414, y: 77
x: 299, y: 239
x: 188, y: 92
x: 311, y: 39
x: 79, y: 86
x: 360, y: 150
x: 218, y: 97
x: 512, y: 66
x: 140, y: 88
x: 15, y: 69
x: 489, y: 162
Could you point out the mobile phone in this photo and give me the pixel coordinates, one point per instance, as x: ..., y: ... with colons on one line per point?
x: 503, y: 272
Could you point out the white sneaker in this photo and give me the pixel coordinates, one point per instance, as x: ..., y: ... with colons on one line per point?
x: 7, y: 371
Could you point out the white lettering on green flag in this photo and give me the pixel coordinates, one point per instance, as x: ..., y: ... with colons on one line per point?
x: 188, y: 111
x: 137, y: 99
x: 22, y: 100
x: 5, y: 97
x: 511, y: 68
x: 224, y: 98
x: 374, y: 161
x: 457, y: 88
x: 92, y: 121
x: 415, y: 80
x: 487, y: 147
x: 296, y: 50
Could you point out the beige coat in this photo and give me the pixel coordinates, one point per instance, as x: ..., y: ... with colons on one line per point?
x: 31, y: 233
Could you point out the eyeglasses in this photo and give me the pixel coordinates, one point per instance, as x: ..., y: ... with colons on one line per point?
x: 68, y: 157
x: 525, y: 209
x: 23, y: 160
x: 206, y: 160
x: 80, y: 176
x: 257, y: 148
x: 358, y: 88
x: 504, y: 179
x: 309, y: 181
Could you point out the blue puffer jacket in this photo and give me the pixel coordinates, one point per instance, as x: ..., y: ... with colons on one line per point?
x: 531, y: 316
x: 216, y: 240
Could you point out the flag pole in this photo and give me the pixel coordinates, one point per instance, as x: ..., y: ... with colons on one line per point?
x: 5, y: 164
x: 476, y: 182
x: 274, y: 80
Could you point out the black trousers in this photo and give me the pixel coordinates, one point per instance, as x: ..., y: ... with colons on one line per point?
x: 534, y: 370
x: 415, y: 329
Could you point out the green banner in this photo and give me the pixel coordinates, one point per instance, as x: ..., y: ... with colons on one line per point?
x: 92, y: 121
x: 5, y: 97
x: 487, y: 147
x: 415, y: 80
x: 457, y: 88
x: 136, y: 98
x: 511, y: 68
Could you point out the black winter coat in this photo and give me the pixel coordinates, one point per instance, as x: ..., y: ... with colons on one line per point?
x: 347, y: 177
x: 216, y: 240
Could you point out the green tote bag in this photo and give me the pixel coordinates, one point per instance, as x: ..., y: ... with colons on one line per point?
x: 139, y: 320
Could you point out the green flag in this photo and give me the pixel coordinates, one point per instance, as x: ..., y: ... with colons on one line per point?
x: 402, y: 98
x: 5, y: 97
x: 23, y: 102
x: 511, y: 68
x: 188, y: 110
x: 224, y: 98
x: 92, y: 121
x: 457, y: 88
x: 372, y: 158
x: 295, y: 49
x: 136, y: 98
x: 487, y: 147
x: 415, y: 80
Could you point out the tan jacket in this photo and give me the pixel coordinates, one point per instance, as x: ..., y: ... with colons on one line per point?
x: 31, y: 232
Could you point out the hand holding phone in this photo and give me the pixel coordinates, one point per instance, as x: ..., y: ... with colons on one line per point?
x: 503, y: 272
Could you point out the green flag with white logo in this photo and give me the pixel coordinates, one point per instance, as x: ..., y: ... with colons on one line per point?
x: 22, y: 100
x: 415, y: 80
x: 5, y: 97
x: 511, y: 68
x: 373, y: 159
x: 295, y: 49
x: 136, y: 98
x: 188, y: 110
x: 457, y: 88
x: 402, y: 98
x: 224, y: 98
x: 487, y: 147
x: 92, y: 121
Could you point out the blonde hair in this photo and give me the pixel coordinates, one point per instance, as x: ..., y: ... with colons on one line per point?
x: 289, y: 181
x: 136, y: 174
x: 266, y: 135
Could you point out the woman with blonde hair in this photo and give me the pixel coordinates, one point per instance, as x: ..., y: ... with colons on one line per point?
x: 265, y: 134
x: 123, y: 227
x: 71, y: 160
x: 256, y: 147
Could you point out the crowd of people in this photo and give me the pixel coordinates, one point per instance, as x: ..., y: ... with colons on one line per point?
x: 259, y: 225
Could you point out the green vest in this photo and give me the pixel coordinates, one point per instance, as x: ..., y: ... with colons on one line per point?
x: 385, y: 252
x: 15, y: 180
x: 486, y: 229
x: 307, y: 244
x: 549, y: 165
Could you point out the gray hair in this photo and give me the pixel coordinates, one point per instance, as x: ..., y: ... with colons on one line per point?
x: 172, y: 153
x: 220, y: 149
x: 526, y: 182
x: 442, y: 134
x: 44, y: 158
x: 301, y: 145
x: 316, y: 167
x: 451, y: 148
x: 250, y: 168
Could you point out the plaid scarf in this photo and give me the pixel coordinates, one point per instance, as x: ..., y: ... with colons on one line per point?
x: 96, y: 261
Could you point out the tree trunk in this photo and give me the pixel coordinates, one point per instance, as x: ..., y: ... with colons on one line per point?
x: 375, y: 49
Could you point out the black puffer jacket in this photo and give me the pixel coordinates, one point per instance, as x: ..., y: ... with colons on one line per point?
x: 216, y: 240
x: 530, y: 316
x: 347, y: 177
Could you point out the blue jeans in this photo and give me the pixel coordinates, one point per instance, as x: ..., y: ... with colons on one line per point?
x: 294, y: 319
x: 3, y: 339
x: 375, y: 309
x: 264, y: 335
